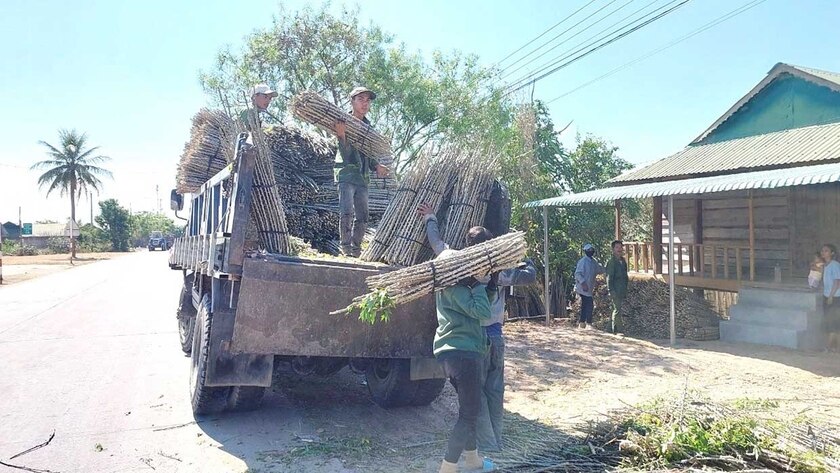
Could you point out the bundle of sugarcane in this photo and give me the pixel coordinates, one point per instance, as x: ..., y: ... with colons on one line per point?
x: 411, y: 283
x: 208, y: 151
x: 267, y: 207
x: 468, y: 205
x: 299, y: 156
x: 409, y: 239
x: 312, y: 108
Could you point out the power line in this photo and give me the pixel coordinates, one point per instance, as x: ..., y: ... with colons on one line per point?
x: 557, y: 36
x: 544, y: 32
x: 508, y: 74
x: 602, y: 45
x: 743, y: 8
x: 597, y: 37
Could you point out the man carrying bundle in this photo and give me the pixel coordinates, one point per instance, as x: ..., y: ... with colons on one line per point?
x: 461, y: 345
x: 352, y: 174
x: 261, y: 96
x: 490, y: 418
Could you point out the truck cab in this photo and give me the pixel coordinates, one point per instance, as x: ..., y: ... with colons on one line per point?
x: 157, y: 241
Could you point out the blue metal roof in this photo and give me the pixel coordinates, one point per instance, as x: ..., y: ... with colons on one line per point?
x: 799, y: 176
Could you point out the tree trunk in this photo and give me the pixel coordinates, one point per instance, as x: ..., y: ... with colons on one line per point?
x: 72, y: 219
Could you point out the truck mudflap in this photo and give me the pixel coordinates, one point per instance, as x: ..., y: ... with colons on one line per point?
x: 283, y: 309
x: 226, y: 368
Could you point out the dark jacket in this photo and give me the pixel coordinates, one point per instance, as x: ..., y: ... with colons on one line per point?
x: 351, y: 165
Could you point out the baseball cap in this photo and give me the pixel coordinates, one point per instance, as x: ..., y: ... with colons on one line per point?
x: 263, y: 89
x: 588, y: 247
x: 360, y: 90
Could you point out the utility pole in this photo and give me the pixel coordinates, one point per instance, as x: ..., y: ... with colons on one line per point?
x: 90, y: 198
x: 157, y: 198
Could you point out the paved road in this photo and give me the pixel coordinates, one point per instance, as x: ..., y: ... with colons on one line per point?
x: 92, y: 354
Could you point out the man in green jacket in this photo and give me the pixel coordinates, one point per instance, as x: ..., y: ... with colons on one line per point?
x: 617, y: 282
x: 461, y: 345
x: 352, y: 174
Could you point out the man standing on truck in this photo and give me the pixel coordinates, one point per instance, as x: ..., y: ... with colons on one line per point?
x: 352, y: 174
x: 492, y: 379
x: 261, y: 96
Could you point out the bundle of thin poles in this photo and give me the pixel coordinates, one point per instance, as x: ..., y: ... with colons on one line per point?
x: 300, y: 157
x: 468, y: 204
x: 267, y: 207
x: 208, y: 151
x: 457, y: 183
x: 411, y: 283
x: 312, y: 108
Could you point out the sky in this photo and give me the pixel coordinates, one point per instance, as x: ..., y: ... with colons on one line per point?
x: 126, y: 73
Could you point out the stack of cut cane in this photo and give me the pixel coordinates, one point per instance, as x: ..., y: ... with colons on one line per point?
x: 411, y: 283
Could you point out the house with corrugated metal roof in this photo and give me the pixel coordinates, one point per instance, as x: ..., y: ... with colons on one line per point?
x: 746, y: 205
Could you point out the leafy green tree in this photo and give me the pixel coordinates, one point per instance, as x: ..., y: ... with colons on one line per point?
x: 115, y: 221
x: 73, y: 169
x: 312, y: 49
x: 146, y: 222
x: 537, y: 166
x: 93, y: 239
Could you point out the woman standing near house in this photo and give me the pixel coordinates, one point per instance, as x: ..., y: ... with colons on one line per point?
x: 831, y: 287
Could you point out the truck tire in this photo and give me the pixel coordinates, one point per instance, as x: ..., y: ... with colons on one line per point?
x: 389, y: 382
x: 245, y: 398
x: 427, y: 391
x: 186, y: 316
x: 205, y: 400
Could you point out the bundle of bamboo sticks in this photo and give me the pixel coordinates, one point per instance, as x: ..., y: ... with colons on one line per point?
x: 312, y: 108
x: 454, y: 181
x: 208, y: 151
x: 267, y: 207
x: 411, y: 283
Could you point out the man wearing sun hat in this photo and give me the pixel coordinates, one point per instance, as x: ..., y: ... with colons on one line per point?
x: 261, y: 96
x: 352, y: 174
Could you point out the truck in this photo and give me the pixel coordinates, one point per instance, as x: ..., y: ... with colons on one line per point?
x: 157, y: 240
x: 244, y: 315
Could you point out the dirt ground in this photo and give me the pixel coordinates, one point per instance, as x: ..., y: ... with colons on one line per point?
x: 21, y: 268
x: 560, y: 377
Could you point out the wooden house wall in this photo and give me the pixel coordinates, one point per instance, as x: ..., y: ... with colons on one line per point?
x: 725, y: 223
x: 816, y: 221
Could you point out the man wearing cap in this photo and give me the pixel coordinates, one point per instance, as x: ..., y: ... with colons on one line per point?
x: 352, y: 174
x: 587, y: 268
x: 261, y: 95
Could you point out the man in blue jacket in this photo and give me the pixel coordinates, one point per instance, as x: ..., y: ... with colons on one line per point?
x: 587, y: 268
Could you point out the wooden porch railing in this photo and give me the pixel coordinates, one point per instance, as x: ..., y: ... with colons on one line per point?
x: 696, y: 260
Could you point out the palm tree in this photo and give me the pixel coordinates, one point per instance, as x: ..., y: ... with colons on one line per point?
x: 72, y: 168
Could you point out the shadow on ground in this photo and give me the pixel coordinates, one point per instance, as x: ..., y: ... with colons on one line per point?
x: 331, y: 425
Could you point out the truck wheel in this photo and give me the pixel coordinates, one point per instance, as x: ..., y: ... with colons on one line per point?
x: 186, y: 316
x: 245, y: 398
x: 205, y: 400
x: 427, y: 391
x: 389, y: 382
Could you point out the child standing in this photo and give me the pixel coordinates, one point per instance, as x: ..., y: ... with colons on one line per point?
x: 816, y: 274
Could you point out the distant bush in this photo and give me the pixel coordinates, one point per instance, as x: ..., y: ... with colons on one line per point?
x: 15, y: 248
x: 57, y: 245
